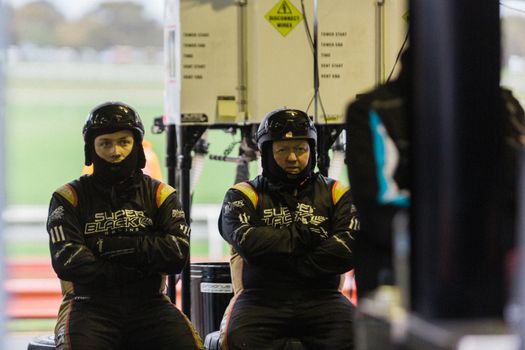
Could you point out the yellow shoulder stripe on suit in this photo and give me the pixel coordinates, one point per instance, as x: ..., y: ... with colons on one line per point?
x: 248, y: 191
x: 68, y: 192
x: 163, y: 191
x: 338, y: 191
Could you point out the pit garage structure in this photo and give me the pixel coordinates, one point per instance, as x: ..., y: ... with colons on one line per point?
x: 230, y: 62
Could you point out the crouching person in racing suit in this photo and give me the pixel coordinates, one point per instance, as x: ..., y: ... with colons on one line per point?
x: 291, y: 232
x: 113, y: 237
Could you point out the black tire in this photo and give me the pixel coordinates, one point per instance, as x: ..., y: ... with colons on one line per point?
x: 43, y: 342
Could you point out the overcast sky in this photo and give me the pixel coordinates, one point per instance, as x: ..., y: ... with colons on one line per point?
x: 155, y: 8
x: 75, y: 8
x: 512, y: 7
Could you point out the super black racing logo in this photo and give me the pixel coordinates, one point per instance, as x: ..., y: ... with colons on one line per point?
x: 282, y: 216
x: 121, y: 220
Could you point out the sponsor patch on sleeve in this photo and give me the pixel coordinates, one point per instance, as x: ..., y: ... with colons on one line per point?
x: 163, y: 191
x: 68, y: 192
x: 56, y: 214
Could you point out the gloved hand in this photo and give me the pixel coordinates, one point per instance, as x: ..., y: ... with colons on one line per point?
x: 305, y: 237
x: 318, y: 233
x: 124, y: 250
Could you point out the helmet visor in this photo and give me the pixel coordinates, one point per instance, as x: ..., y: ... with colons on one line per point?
x: 292, y: 123
x: 120, y: 116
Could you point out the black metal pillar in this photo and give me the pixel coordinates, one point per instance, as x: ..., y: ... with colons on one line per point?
x: 457, y: 151
x: 183, y: 169
x: 171, y: 164
x: 187, y: 137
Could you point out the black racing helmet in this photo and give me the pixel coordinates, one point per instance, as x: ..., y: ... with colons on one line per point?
x: 110, y: 117
x: 286, y: 124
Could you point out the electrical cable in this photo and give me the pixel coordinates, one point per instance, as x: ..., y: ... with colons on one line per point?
x: 511, y: 8
x: 307, y: 28
x: 398, y: 57
x: 311, y: 42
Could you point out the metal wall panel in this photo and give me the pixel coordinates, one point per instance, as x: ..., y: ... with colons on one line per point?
x: 241, y: 59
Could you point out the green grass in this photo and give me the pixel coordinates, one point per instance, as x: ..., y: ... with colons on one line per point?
x: 22, y: 249
x: 47, y: 106
x: 45, y: 325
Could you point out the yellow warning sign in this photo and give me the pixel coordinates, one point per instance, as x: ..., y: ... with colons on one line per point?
x: 406, y: 16
x: 284, y: 17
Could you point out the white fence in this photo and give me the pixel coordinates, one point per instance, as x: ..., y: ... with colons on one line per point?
x: 204, y: 219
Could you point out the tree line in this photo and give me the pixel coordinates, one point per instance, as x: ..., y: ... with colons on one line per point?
x: 40, y: 23
x: 126, y: 23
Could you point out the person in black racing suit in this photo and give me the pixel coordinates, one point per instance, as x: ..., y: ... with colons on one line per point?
x: 291, y: 232
x: 113, y: 237
x: 379, y: 169
x: 377, y: 157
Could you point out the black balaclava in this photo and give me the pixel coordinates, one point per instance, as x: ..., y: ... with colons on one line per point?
x: 277, y: 175
x: 89, y: 146
x: 114, y: 173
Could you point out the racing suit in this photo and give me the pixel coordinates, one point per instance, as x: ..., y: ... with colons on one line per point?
x: 111, y: 246
x: 377, y: 153
x: 289, y: 249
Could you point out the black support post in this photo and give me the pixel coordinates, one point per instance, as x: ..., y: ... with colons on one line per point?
x: 457, y: 152
x: 187, y: 137
x: 171, y: 164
